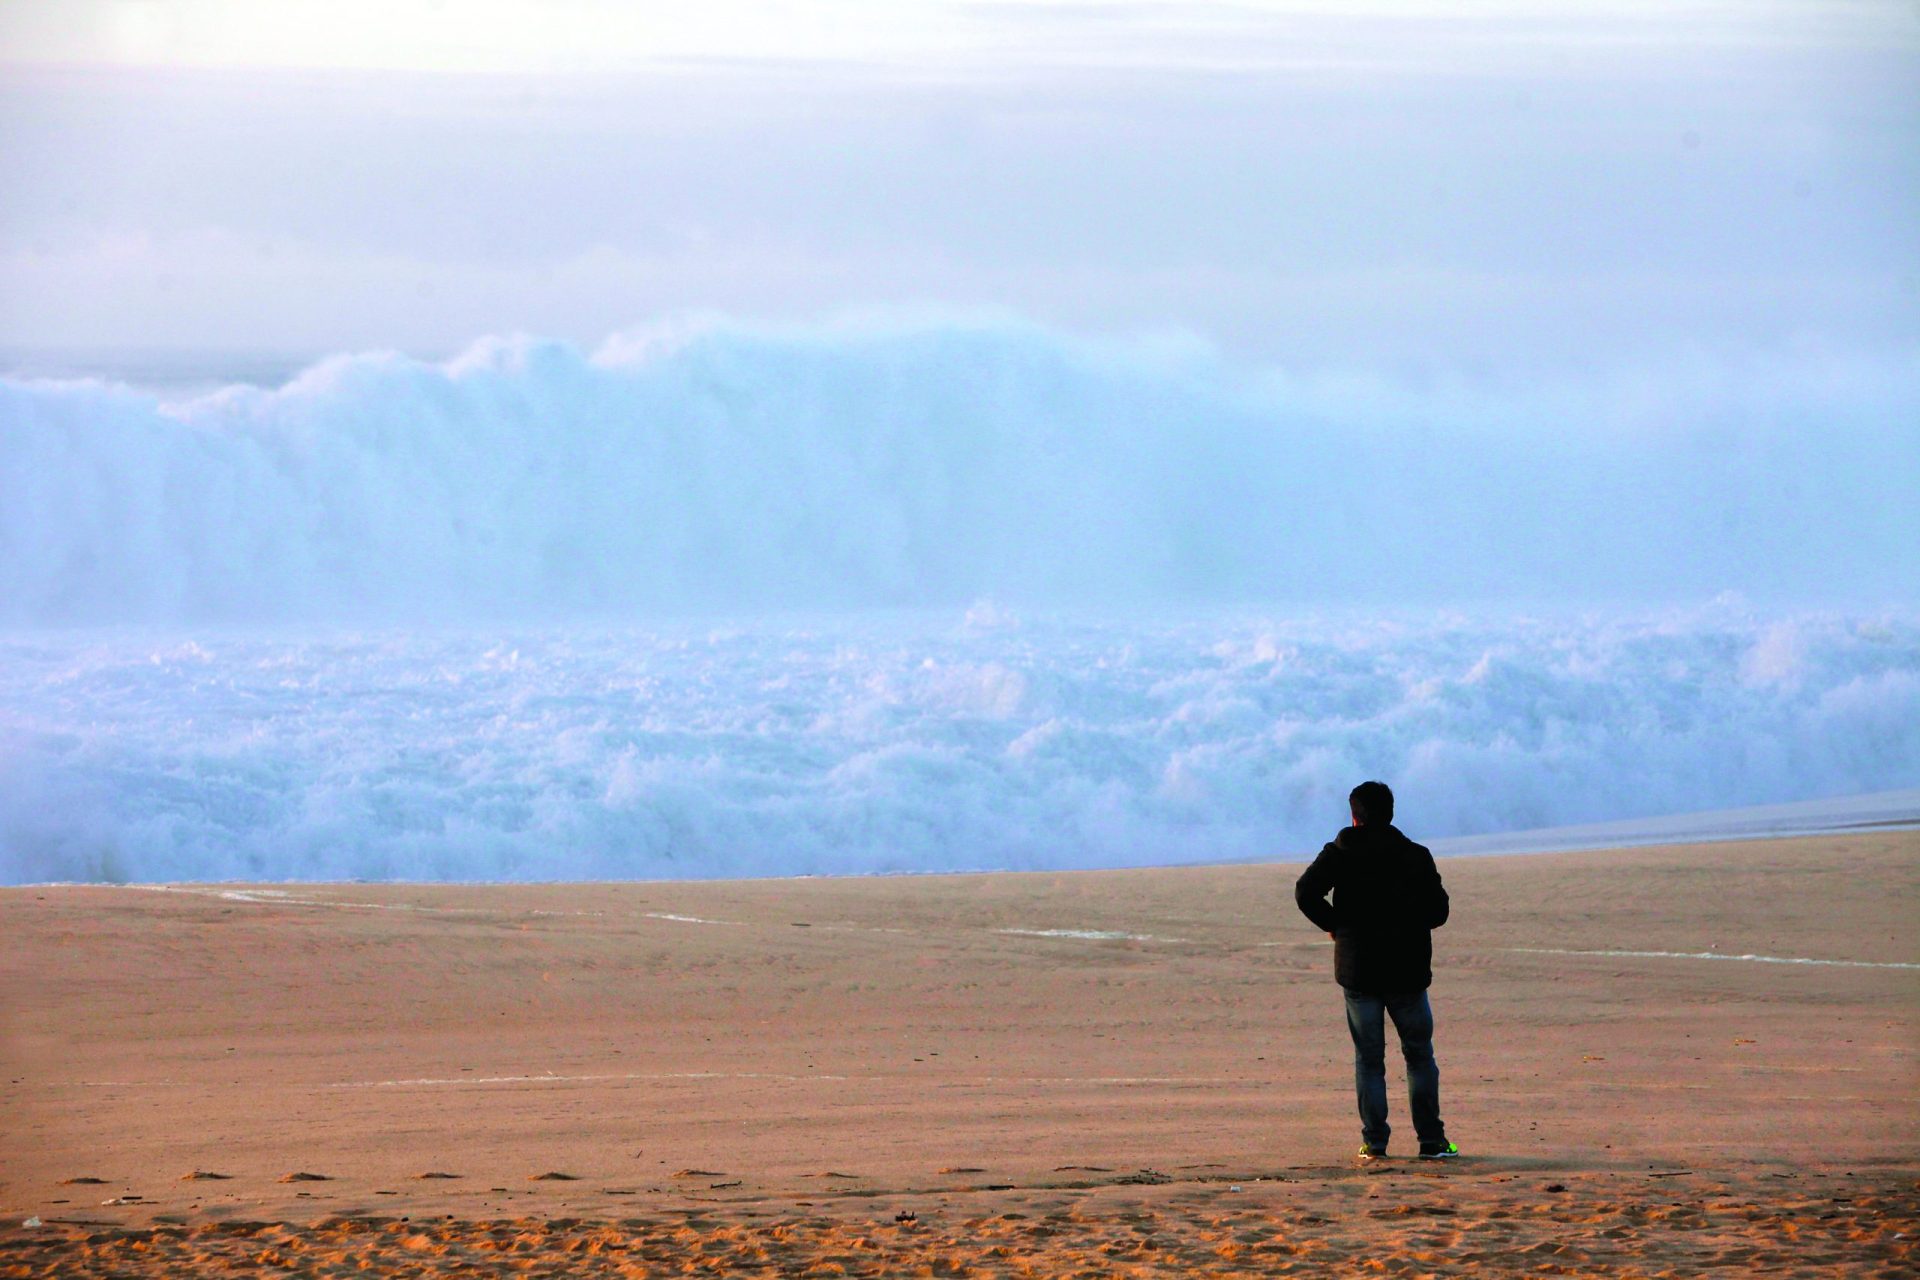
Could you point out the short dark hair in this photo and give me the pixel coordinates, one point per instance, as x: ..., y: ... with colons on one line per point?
x: 1371, y: 802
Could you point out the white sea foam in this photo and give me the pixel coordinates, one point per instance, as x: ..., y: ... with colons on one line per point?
x: 909, y: 742
x: 427, y: 1082
x: 931, y: 463
x: 1088, y: 935
x: 1717, y: 955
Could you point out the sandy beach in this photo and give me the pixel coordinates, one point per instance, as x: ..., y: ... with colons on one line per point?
x: 1659, y: 1061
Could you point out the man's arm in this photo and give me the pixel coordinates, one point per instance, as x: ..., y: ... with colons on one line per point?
x: 1437, y: 903
x: 1311, y: 889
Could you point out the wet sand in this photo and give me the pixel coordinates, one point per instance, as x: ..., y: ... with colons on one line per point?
x: 1659, y: 1061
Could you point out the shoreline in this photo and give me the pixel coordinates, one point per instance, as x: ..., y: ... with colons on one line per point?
x: 1836, y: 815
x: 1897, y: 810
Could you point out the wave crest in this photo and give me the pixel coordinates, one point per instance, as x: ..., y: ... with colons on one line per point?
x: 929, y: 463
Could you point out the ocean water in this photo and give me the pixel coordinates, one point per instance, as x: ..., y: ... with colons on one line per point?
x: 992, y: 596
x: 921, y: 741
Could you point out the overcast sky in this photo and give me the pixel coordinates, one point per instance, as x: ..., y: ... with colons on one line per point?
x: 1388, y: 187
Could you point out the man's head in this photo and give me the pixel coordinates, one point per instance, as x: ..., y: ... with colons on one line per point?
x: 1371, y: 802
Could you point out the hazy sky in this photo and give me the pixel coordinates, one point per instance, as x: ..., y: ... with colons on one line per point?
x: 1412, y: 188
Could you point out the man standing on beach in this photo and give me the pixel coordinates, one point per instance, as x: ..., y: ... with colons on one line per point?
x: 1387, y: 900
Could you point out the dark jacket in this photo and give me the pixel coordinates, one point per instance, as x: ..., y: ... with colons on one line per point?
x: 1387, y: 898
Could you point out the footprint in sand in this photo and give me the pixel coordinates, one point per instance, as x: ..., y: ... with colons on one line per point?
x: 306, y: 1177
x: 83, y: 1182
x: 552, y: 1175
x: 699, y: 1173
x: 962, y: 1168
x: 202, y: 1175
x: 434, y: 1173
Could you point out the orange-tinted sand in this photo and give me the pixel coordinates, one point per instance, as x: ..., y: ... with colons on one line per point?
x: 767, y: 1077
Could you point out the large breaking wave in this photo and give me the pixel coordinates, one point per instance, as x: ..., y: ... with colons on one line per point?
x: 893, y: 464
x: 912, y: 743
x: 251, y: 693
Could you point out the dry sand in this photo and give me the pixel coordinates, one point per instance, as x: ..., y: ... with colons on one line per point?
x: 1112, y: 1073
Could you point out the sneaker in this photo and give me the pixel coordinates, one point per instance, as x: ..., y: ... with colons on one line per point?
x: 1369, y: 1152
x: 1439, y: 1151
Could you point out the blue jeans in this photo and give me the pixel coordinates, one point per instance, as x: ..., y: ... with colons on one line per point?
x: 1413, y: 1019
